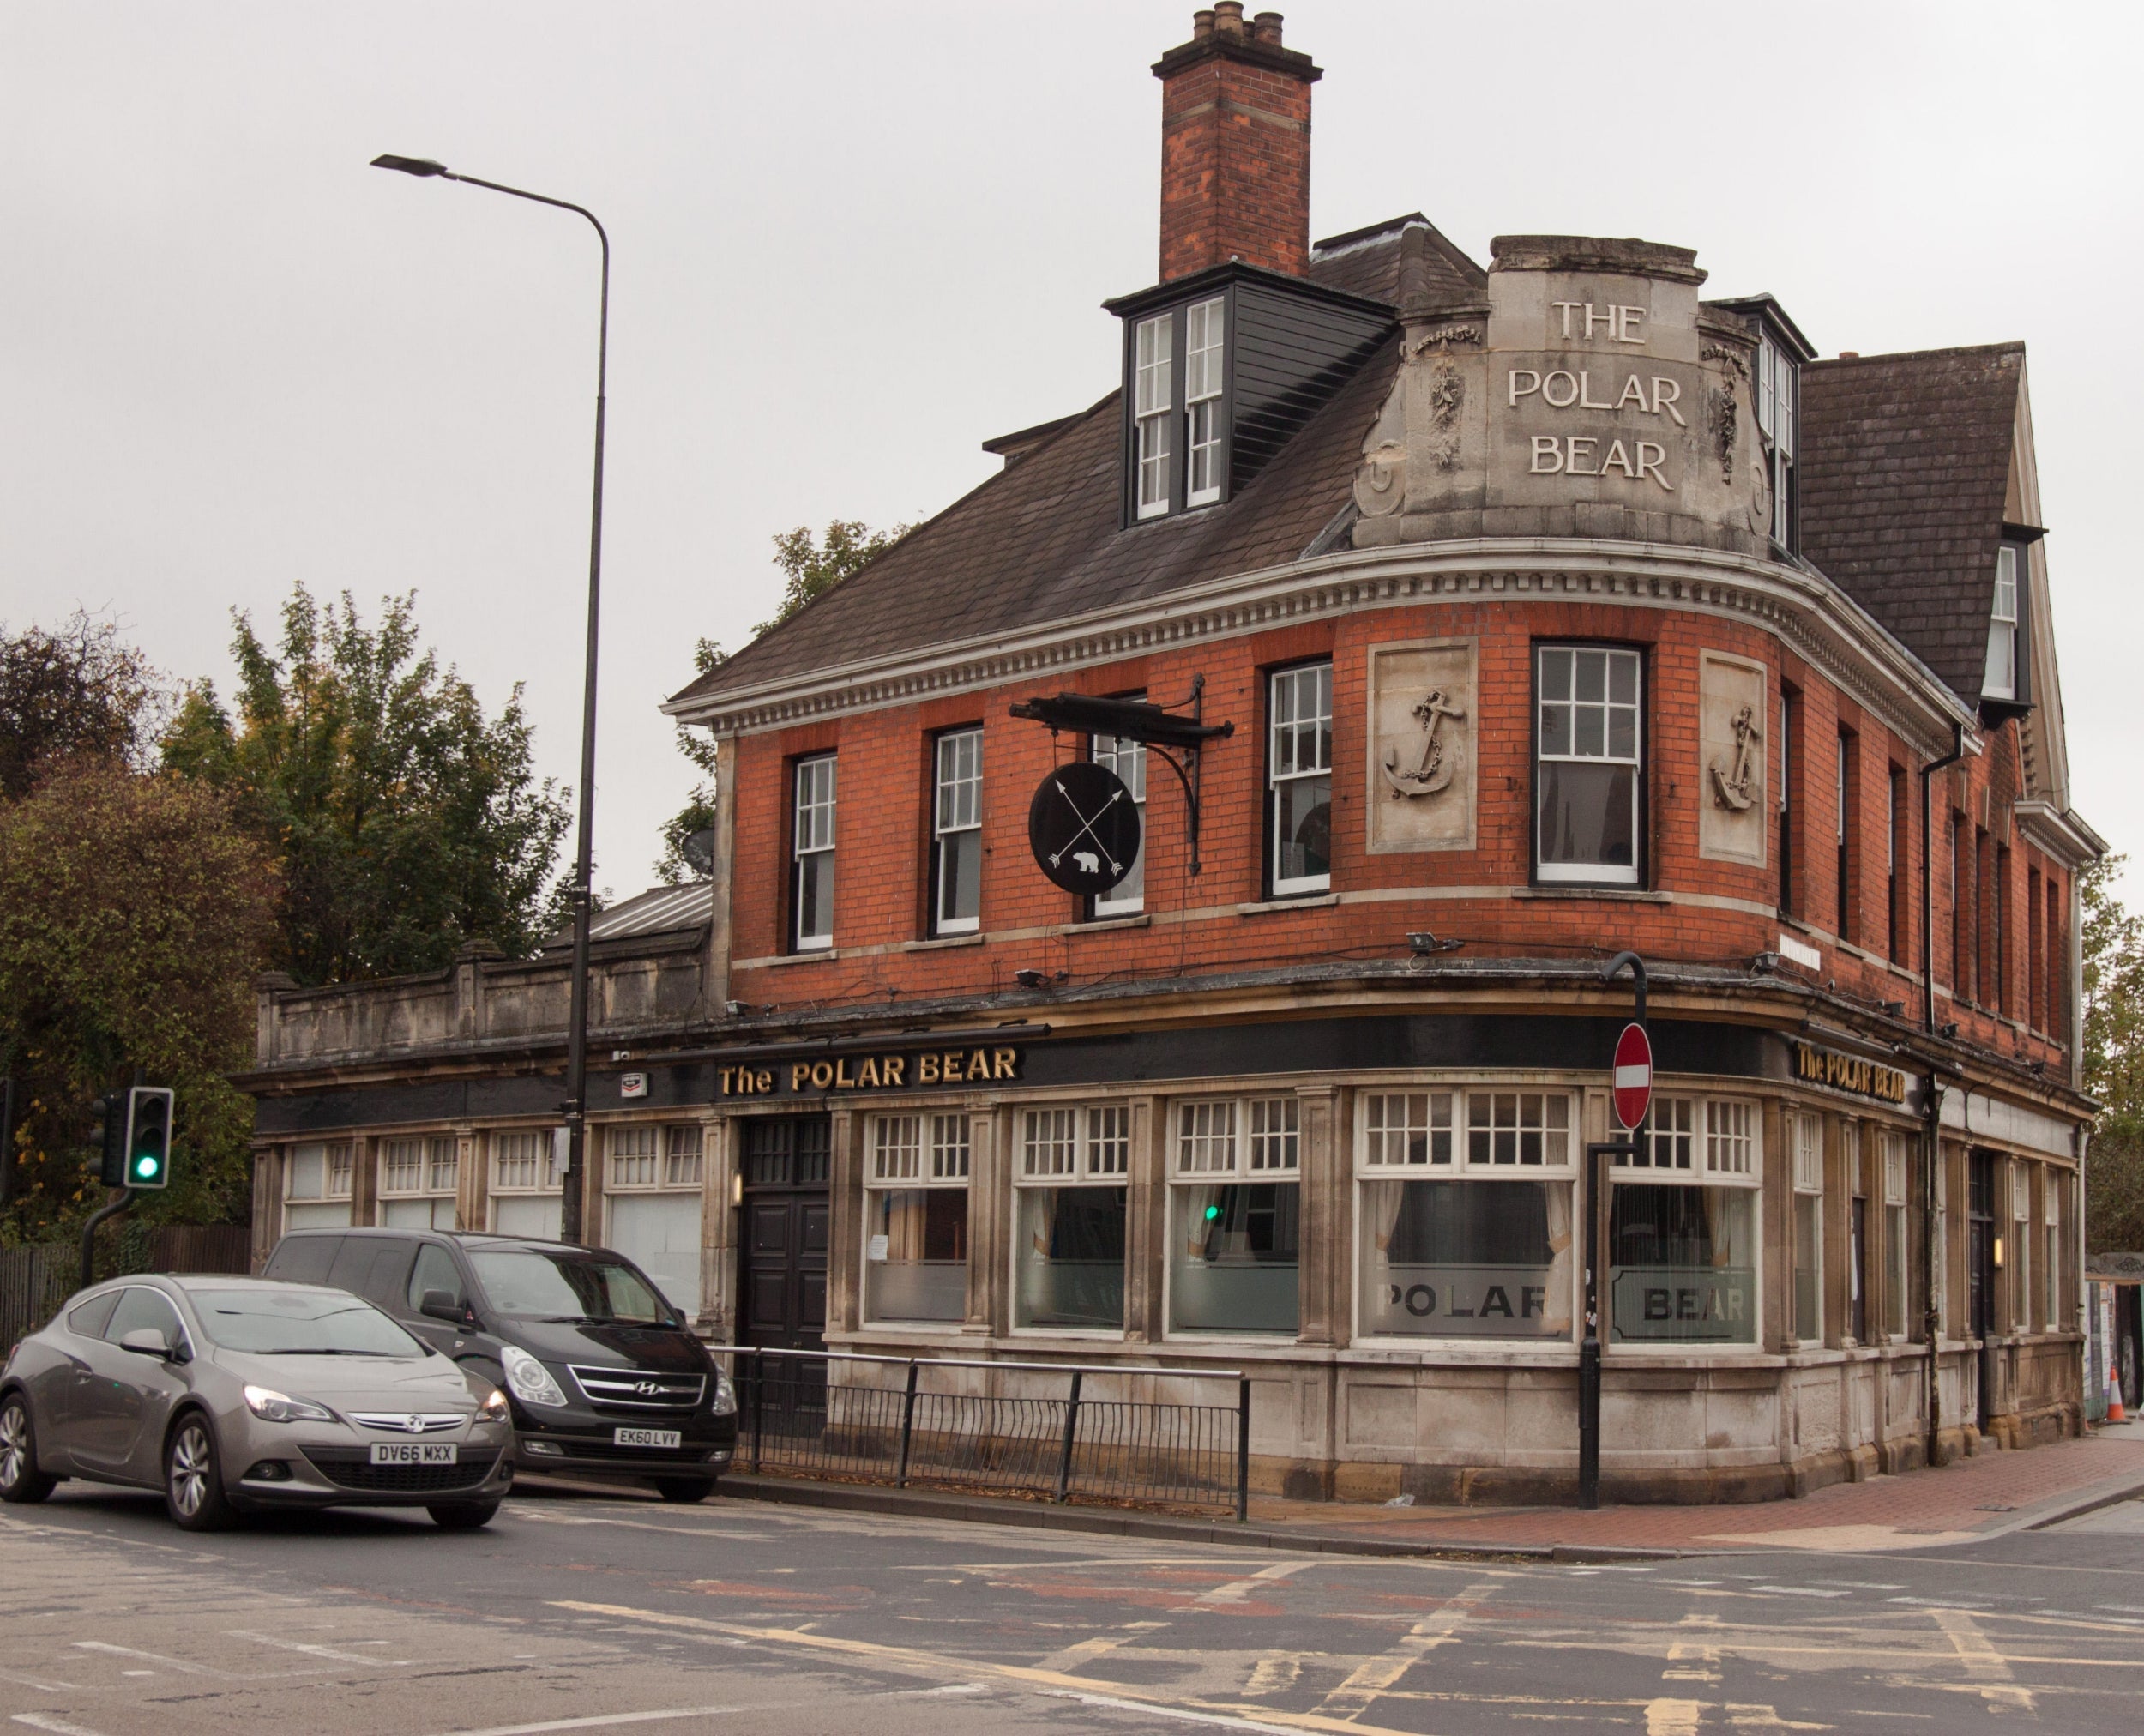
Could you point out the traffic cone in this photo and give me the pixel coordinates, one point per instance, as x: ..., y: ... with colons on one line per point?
x: 2115, y: 1413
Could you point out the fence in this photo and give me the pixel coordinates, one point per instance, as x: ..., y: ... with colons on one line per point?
x: 905, y: 1420
x: 35, y: 1279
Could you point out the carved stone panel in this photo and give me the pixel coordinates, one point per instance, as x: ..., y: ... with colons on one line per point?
x: 1733, y: 722
x: 1422, y: 735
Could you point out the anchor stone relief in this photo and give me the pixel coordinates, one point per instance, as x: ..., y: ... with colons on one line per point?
x: 1732, y: 716
x: 1731, y: 782
x: 1421, y: 771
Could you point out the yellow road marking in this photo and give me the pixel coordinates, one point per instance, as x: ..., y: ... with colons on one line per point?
x: 1098, y: 1644
x: 1985, y: 1665
x: 908, y: 1658
x: 1374, y: 1676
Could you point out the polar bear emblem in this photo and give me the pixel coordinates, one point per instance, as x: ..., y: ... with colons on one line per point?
x: 1086, y: 862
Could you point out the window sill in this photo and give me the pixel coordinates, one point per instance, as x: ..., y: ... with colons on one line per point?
x: 943, y: 943
x: 1102, y: 925
x: 781, y: 961
x: 1300, y: 900
x: 1629, y: 894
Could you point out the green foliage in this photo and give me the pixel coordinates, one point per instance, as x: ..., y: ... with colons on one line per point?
x: 813, y: 569
x: 133, y: 912
x: 404, y: 822
x: 698, y: 813
x: 76, y: 693
x: 2113, y: 946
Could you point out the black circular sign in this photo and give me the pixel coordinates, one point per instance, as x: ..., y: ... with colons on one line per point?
x: 1084, y: 827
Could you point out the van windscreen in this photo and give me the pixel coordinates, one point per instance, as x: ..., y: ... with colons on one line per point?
x: 577, y: 1289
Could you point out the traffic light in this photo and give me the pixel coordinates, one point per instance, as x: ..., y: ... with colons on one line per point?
x: 107, y: 1137
x: 149, y: 1137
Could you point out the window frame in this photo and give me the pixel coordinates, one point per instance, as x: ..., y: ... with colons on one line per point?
x: 546, y: 1161
x: 1301, y: 885
x: 804, y: 767
x: 666, y: 1160
x: 428, y: 1187
x: 1805, y: 1130
x: 1158, y: 428
x: 941, y: 924
x: 1775, y: 365
x: 1120, y: 748
x: 1150, y: 418
x: 1214, y: 400
x: 338, y: 1177
x: 1579, y: 874
x: 1245, y: 1110
x: 1725, y: 1137
x: 1096, y: 1122
x: 943, y: 1165
x: 1462, y: 1166
x: 2017, y: 558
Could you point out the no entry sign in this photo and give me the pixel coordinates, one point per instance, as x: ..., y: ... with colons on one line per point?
x: 1633, y: 1076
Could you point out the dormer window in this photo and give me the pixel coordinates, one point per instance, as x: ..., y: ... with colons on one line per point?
x: 1155, y: 396
x: 1202, y: 380
x: 2000, y: 680
x: 1779, y: 379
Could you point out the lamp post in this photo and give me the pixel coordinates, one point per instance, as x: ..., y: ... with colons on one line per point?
x: 575, y: 1105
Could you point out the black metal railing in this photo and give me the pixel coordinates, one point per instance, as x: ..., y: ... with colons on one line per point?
x: 940, y: 1421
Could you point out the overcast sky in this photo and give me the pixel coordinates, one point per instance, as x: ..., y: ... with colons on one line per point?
x: 850, y: 242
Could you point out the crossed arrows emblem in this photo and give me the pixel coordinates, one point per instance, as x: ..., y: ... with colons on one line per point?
x: 1087, y: 826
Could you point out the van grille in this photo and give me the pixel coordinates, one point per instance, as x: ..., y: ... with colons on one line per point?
x: 630, y: 1387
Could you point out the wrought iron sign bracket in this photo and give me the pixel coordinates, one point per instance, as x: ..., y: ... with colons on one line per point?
x: 1179, y: 741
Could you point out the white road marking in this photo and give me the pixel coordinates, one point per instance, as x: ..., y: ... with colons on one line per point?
x: 1181, y: 1713
x: 178, y: 1664
x: 59, y: 1726
x: 43, y: 1687
x: 317, y: 1651
x: 1796, y: 1591
x: 670, y: 1715
x: 1237, y: 1589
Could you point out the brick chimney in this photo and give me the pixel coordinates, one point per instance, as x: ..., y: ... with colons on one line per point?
x: 1235, y: 145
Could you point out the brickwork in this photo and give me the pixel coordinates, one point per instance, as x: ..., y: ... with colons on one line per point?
x: 1482, y: 895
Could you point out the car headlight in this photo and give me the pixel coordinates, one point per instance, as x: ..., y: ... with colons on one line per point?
x: 724, y: 1394
x: 530, y: 1380
x: 273, y: 1407
x: 494, y: 1408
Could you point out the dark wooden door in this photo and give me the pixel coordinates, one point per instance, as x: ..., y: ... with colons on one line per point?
x: 788, y: 1224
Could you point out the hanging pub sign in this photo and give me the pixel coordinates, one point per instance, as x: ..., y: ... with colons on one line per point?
x: 1083, y: 827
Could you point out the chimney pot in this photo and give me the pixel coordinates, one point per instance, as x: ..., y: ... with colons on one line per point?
x: 1266, y: 27
x: 1228, y: 17
x: 1850, y: 355
x: 1202, y: 25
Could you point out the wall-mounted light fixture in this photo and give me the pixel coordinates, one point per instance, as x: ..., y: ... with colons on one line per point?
x: 1765, y: 961
x: 737, y: 1187
x: 1422, y: 944
x: 1040, y: 979
x: 1998, y: 1253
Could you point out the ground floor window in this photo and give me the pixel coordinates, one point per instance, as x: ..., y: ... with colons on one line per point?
x: 1895, y: 1283
x: 1682, y: 1264
x: 1465, y: 1206
x: 418, y: 1180
x: 1235, y: 1234
x: 1070, y: 1207
x: 317, y: 1186
x: 654, y: 1205
x: 916, y: 1199
x: 1808, y: 1228
x: 527, y: 1169
x: 2051, y: 1264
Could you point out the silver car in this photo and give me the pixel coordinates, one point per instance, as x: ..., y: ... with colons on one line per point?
x: 239, y: 1395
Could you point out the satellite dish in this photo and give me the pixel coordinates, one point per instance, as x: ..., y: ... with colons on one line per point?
x: 698, y: 849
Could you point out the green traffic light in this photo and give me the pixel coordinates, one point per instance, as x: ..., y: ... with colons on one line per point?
x: 145, y: 1164
x: 1212, y: 1213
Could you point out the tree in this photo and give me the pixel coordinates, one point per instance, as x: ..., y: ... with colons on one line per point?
x: 404, y: 822
x: 75, y: 693
x: 811, y: 568
x: 133, y: 912
x: 2113, y: 944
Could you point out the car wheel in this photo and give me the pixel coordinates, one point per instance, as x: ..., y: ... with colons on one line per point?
x: 193, y: 1479
x: 462, y: 1516
x: 684, y: 1490
x: 20, y: 1478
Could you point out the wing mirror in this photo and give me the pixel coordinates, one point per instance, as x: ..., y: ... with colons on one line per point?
x: 148, y: 1341
x: 442, y: 1305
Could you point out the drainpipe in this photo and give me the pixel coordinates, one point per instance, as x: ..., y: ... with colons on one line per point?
x: 1931, y: 1089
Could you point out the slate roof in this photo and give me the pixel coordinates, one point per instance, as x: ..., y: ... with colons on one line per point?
x: 1904, y: 467
x: 660, y: 910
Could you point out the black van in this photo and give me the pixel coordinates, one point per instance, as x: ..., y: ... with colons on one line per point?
x: 604, y: 1378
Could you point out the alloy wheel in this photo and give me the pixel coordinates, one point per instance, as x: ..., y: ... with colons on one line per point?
x: 190, y: 1463
x: 15, y: 1444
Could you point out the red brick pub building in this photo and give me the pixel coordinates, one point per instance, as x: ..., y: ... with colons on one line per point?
x: 1552, y: 609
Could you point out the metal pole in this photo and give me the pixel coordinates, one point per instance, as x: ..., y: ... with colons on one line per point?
x: 1071, y: 1424
x: 581, y: 892
x: 759, y: 1407
x: 1242, y: 1449
x: 907, y: 1427
x: 1932, y: 1319
x: 111, y: 1209
x: 1589, y: 1349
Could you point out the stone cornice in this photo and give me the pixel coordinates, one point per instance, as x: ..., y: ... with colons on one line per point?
x: 1819, y: 622
x: 2061, y: 833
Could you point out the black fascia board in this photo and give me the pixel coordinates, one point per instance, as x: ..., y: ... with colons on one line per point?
x: 1767, y: 305
x: 1128, y: 719
x: 1201, y: 284
x: 2022, y: 532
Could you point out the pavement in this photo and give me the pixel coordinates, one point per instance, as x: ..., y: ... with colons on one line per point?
x: 1991, y: 1495
x: 579, y: 1612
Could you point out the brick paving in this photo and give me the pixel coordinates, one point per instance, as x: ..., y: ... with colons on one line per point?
x: 1994, y: 1492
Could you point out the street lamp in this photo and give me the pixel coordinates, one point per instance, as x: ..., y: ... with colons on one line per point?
x: 576, y: 1103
